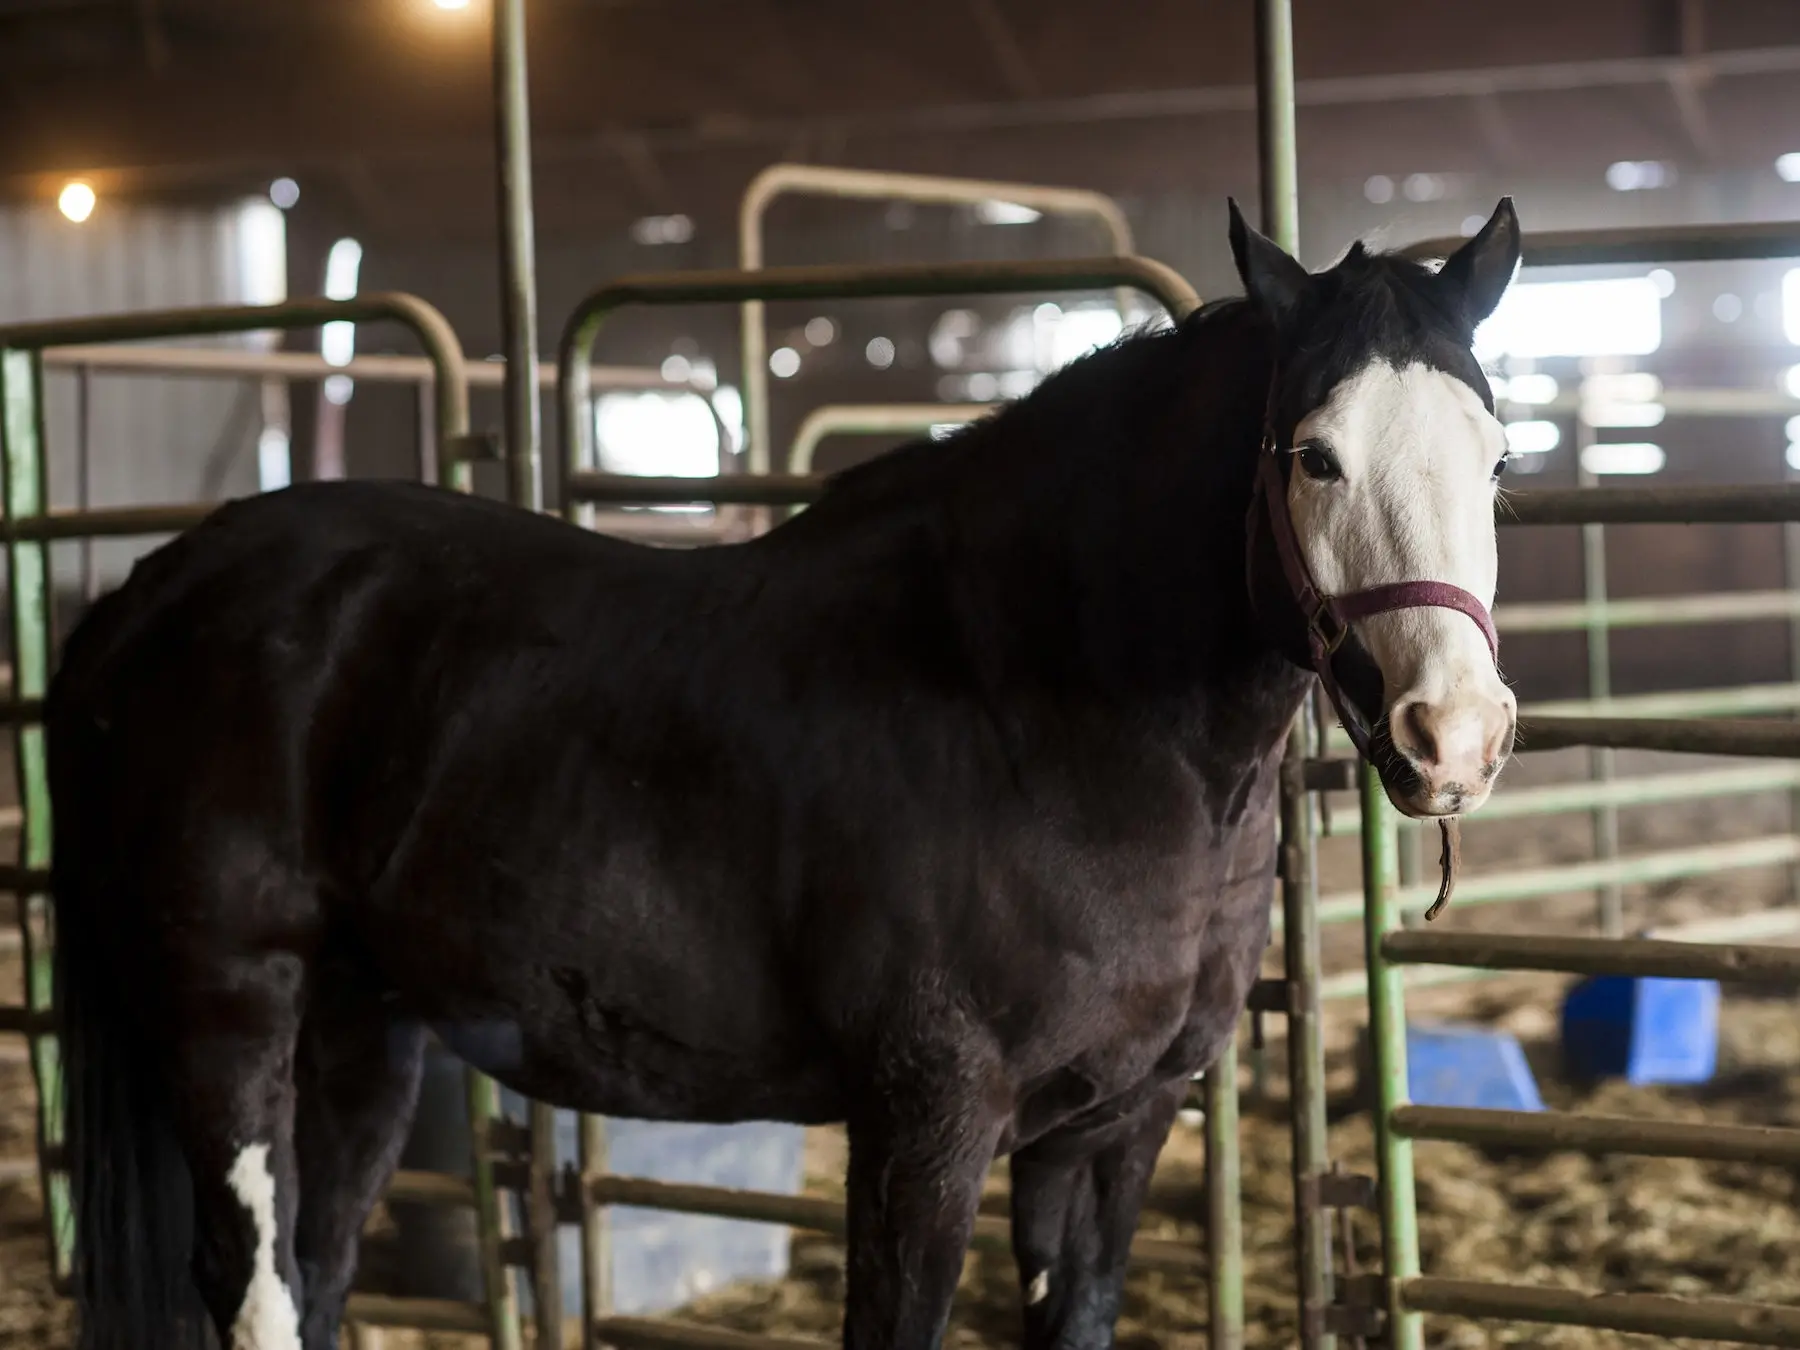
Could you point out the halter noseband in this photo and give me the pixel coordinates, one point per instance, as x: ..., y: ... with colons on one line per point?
x: 1327, y: 618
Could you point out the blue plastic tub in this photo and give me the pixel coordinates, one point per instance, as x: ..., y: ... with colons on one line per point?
x: 1642, y: 1029
x: 1453, y: 1065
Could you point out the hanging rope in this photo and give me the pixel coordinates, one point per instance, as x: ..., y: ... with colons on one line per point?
x: 1450, y: 859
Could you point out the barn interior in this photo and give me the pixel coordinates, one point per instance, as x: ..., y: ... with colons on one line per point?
x: 157, y: 154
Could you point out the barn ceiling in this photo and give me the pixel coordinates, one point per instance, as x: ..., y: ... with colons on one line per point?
x: 646, y: 106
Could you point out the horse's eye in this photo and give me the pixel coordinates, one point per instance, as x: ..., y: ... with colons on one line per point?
x: 1500, y: 468
x: 1317, y: 462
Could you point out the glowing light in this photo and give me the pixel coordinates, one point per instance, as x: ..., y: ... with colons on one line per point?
x: 983, y: 386
x: 1621, y: 316
x: 880, y: 352
x: 820, y: 331
x: 76, y: 201
x: 274, y: 465
x: 1423, y: 187
x: 1790, y: 382
x: 1471, y: 225
x: 656, y: 433
x: 1529, y: 389
x: 784, y: 363
x: 261, y: 253
x: 1623, y: 457
x: 652, y: 230
x: 1532, y: 438
x: 1793, y: 455
x: 1639, y: 175
x: 337, y: 340
x: 1727, y: 308
x: 341, y: 267
x: 1790, y: 304
x: 1664, y: 281
x: 451, y: 4
x: 1635, y: 386
x: 953, y: 329
x: 1379, y: 189
x: 1624, y: 414
x: 284, y: 192
x: 728, y: 403
x: 1793, y: 428
x: 677, y: 368
x: 993, y: 212
x: 338, y: 388
x: 1788, y: 166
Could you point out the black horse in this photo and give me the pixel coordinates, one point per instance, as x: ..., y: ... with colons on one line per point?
x: 944, y: 810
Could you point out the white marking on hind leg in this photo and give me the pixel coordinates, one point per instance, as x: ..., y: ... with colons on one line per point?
x: 268, y: 1319
x: 1040, y: 1289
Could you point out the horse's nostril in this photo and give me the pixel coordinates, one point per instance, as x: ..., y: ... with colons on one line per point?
x: 1416, y: 723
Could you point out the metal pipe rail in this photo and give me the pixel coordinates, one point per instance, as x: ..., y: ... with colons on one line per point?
x: 643, y: 1333
x: 442, y: 347
x: 824, y: 181
x: 1572, y: 616
x: 1534, y: 883
x: 1161, y: 282
x: 372, y: 368
x: 873, y: 419
x: 1651, y: 504
x: 1772, y: 966
x: 1649, y: 790
x: 1746, y: 242
x: 817, y: 1214
x: 1562, y: 1132
x: 1651, y: 1314
x: 1742, y: 738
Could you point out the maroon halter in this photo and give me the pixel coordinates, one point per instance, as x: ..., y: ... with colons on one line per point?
x: 1327, y: 618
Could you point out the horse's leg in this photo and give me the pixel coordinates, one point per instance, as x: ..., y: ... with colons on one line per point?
x: 1074, y: 1215
x: 357, y: 1073
x: 237, y: 1019
x: 918, y: 1156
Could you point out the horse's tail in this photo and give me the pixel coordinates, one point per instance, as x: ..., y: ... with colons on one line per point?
x: 130, y: 1192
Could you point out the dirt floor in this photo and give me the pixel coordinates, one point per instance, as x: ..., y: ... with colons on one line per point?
x: 1617, y: 1224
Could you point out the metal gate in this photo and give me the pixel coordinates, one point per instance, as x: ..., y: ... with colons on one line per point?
x: 1402, y: 1295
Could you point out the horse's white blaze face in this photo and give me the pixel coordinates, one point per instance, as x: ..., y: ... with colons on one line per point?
x: 268, y: 1318
x: 1415, y: 503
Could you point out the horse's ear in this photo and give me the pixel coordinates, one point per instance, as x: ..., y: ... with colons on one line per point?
x: 1479, y: 272
x: 1272, y: 279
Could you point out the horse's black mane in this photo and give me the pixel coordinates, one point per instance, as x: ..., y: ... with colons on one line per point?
x: 1370, y: 306
x: 1139, y: 363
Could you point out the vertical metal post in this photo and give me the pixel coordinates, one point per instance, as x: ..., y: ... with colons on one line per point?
x: 24, y: 477
x: 1275, y: 136
x: 1278, y: 160
x: 1387, y: 1035
x: 1610, y: 906
x: 518, y: 268
x: 540, y: 1215
x: 1302, y: 963
x: 425, y: 418
x: 502, y: 1307
x: 758, y: 452
x: 1790, y: 545
x: 596, y: 1234
x: 1224, y: 1204
x: 84, y: 474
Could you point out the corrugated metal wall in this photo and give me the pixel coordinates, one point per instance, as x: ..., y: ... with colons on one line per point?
x: 152, y: 439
